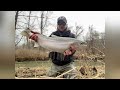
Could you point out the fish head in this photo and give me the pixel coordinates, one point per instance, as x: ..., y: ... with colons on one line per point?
x: 26, y: 32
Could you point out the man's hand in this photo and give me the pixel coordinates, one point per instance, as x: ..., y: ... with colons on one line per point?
x: 70, y: 51
x: 34, y: 36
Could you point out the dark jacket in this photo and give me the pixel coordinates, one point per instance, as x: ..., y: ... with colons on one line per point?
x: 58, y: 58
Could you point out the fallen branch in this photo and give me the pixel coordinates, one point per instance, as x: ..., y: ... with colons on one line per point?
x: 65, y: 73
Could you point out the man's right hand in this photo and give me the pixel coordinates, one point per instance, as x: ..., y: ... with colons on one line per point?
x: 34, y: 36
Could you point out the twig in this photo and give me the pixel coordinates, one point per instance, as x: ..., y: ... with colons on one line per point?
x: 103, y: 45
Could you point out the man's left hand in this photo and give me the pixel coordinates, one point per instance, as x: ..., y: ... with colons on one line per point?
x: 70, y: 51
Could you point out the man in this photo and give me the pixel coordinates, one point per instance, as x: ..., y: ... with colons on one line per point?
x: 61, y: 62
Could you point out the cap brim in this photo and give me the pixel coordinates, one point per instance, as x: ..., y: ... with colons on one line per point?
x: 61, y: 22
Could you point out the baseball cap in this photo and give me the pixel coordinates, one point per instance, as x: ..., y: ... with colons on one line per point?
x: 61, y: 20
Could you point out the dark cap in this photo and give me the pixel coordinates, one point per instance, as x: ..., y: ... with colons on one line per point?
x: 61, y: 20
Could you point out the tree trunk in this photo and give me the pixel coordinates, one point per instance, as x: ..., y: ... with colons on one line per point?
x: 16, y: 18
x: 41, y: 26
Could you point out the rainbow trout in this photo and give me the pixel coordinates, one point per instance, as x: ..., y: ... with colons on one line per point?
x: 55, y: 43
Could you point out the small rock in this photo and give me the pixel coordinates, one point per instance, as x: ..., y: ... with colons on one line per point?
x: 82, y: 70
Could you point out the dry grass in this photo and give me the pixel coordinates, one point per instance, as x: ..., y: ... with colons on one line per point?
x: 33, y: 54
x: 30, y: 54
x: 27, y: 72
x: 82, y: 55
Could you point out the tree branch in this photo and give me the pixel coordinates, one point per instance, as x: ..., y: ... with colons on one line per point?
x: 45, y: 20
x: 19, y: 41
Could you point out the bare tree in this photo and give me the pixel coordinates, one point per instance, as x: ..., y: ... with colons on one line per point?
x: 44, y: 20
x: 102, y: 36
x: 78, y: 30
x: 42, y: 14
x: 91, y: 39
x: 32, y: 20
x: 94, y: 41
x: 16, y: 18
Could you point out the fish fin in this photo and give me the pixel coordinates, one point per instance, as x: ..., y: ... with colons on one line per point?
x: 36, y: 44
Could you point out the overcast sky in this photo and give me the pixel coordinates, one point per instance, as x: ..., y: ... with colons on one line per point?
x: 83, y: 18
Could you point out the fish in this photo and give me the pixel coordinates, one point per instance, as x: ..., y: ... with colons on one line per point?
x: 55, y: 43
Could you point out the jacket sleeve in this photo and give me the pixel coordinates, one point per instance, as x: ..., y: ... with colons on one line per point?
x: 51, y: 34
x: 51, y: 55
x: 73, y: 35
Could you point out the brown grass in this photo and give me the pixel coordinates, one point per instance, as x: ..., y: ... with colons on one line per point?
x: 35, y: 54
x: 85, y: 56
x: 30, y: 54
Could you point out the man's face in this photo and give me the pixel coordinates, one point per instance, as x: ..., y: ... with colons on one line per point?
x: 61, y: 26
